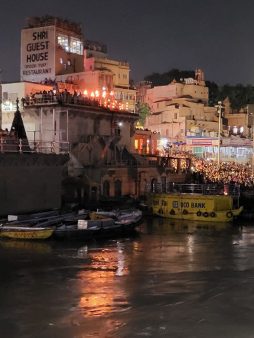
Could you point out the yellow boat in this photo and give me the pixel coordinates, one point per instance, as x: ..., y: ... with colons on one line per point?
x: 193, y: 206
x: 25, y: 233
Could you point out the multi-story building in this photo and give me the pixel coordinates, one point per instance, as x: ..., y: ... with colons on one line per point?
x: 181, y: 115
x: 103, y: 75
x: 50, y: 46
x: 54, y: 50
x: 180, y: 111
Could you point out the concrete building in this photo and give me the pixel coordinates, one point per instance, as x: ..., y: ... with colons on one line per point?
x: 103, y: 75
x: 54, y: 50
x: 18, y: 90
x: 50, y: 46
x: 189, y: 88
x: 103, y: 162
x: 100, y: 139
x: 180, y: 110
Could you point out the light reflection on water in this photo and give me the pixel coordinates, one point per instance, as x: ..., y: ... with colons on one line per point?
x: 101, y: 293
x: 170, y: 274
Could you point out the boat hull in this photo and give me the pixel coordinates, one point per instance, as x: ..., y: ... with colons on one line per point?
x: 25, y: 233
x: 95, y: 230
x: 194, y: 207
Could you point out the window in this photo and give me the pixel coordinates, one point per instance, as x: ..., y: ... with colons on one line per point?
x: 61, y: 60
x: 71, y: 44
x: 69, y: 62
x: 62, y: 41
x: 76, y: 46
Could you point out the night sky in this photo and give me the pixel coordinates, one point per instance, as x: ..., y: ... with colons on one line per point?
x: 153, y: 36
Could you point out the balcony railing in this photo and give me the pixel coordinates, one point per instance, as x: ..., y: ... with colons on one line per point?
x: 8, y: 145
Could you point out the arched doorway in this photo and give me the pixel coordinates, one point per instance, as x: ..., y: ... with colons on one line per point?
x: 118, y: 188
x: 154, y: 185
x: 105, y: 188
x: 163, y: 184
x: 94, y: 193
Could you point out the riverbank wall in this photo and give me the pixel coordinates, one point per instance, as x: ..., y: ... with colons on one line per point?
x: 30, y: 182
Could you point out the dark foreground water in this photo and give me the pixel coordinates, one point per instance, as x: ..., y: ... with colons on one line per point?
x: 172, y: 280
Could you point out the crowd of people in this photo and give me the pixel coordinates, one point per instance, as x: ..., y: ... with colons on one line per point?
x: 52, y: 96
x: 209, y: 171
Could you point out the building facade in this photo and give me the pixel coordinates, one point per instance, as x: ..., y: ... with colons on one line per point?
x: 50, y: 46
x: 180, y: 110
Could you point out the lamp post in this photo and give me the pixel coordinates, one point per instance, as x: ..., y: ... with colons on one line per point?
x: 219, y: 107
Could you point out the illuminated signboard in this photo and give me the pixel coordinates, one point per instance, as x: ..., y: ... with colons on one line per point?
x: 38, y: 54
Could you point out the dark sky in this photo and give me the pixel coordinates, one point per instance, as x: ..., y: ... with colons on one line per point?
x: 153, y: 36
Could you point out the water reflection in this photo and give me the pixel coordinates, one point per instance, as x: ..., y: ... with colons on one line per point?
x: 37, y: 246
x: 172, y: 273
x: 184, y: 226
x: 101, y: 291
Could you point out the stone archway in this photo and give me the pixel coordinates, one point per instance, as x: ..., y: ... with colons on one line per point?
x: 118, y: 188
x: 106, y: 189
x: 154, y: 185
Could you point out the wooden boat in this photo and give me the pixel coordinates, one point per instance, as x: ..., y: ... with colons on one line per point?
x: 101, y: 228
x: 45, y: 219
x: 25, y: 233
x: 194, y: 203
x: 120, y: 216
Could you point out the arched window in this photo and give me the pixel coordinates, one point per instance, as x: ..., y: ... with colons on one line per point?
x: 118, y: 188
x: 106, y: 187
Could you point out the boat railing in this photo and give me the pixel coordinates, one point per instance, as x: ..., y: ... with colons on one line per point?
x: 203, y: 189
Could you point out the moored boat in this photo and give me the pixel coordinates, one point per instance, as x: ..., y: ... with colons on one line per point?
x: 25, y: 233
x: 120, y: 216
x: 195, y: 203
x: 99, y: 228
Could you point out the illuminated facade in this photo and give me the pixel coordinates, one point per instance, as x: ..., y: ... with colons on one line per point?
x: 146, y: 142
x: 54, y: 50
x: 188, y: 88
x: 17, y: 90
x: 50, y: 46
x: 179, y: 110
x: 112, y: 74
x: 102, y: 74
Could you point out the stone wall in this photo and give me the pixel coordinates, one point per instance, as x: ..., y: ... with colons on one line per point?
x: 30, y: 182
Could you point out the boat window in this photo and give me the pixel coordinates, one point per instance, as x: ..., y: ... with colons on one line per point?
x: 164, y: 203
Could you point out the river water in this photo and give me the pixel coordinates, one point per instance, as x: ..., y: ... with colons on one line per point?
x: 172, y: 279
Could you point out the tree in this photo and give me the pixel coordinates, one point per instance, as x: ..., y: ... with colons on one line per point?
x: 158, y: 79
x: 214, y: 92
x: 143, y: 110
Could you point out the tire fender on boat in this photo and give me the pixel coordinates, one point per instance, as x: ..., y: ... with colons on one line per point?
x: 205, y: 214
x: 212, y: 214
x: 185, y: 212
x: 229, y: 214
x: 199, y: 213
